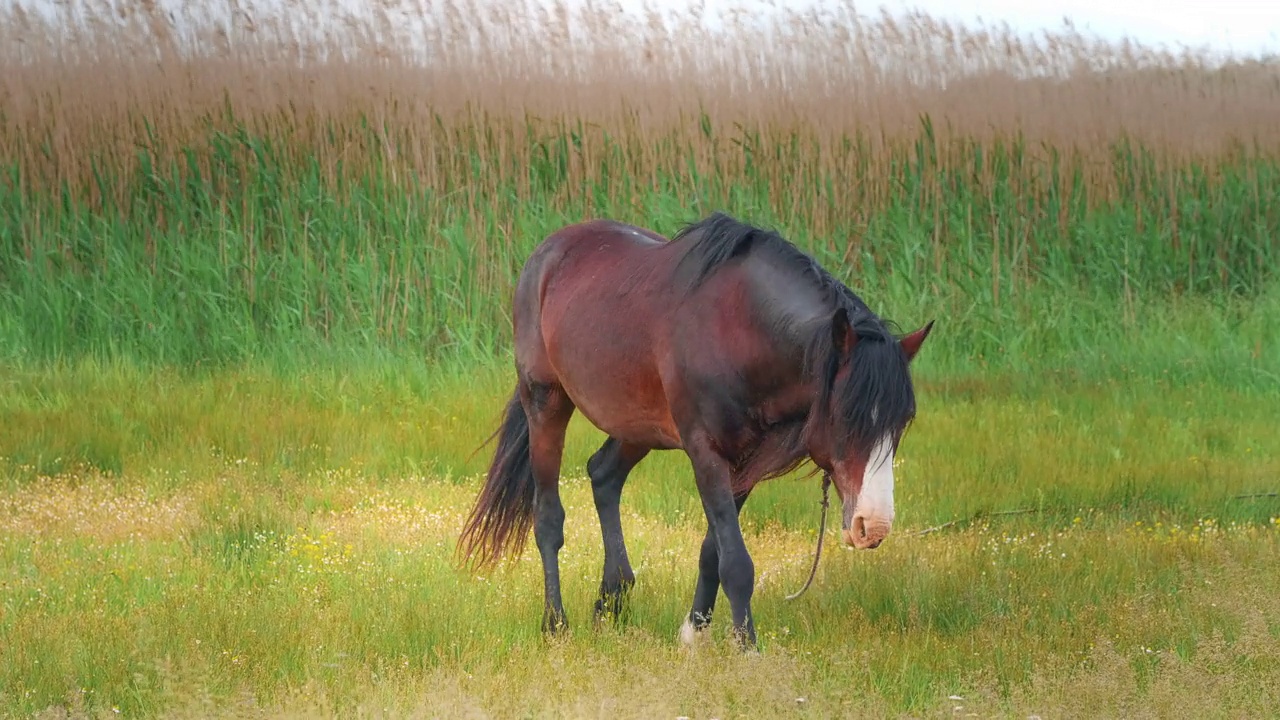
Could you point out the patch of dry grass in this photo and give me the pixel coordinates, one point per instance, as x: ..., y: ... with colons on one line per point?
x: 63, y: 507
x: 357, y: 610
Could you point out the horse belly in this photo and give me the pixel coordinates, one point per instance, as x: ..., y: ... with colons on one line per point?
x: 624, y: 401
x: 600, y: 340
x: 613, y: 380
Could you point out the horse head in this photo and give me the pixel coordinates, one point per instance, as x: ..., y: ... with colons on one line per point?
x: 864, y: 403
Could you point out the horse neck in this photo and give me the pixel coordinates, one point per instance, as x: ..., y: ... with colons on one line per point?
x: 796, y: 313
x: 790, y: 304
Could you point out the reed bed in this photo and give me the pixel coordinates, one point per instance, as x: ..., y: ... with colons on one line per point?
x: 243, y: 182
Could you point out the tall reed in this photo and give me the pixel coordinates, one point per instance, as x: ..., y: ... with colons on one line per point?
x: 211, y: 192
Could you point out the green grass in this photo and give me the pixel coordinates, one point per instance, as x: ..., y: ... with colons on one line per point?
x: 205, y: 544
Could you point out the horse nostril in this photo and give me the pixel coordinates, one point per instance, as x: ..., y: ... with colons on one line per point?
x: 859, y: 527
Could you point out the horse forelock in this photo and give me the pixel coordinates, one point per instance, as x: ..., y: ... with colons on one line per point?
x: 876, y: 398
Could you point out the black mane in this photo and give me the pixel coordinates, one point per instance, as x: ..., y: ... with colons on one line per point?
x: 878, y: 398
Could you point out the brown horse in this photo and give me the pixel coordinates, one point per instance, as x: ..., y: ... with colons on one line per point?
x: 727, y: 342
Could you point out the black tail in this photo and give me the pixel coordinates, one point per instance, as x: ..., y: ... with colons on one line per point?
x: 503, y: 512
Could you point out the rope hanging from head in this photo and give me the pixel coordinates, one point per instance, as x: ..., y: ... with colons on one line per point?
x: 822, y: 527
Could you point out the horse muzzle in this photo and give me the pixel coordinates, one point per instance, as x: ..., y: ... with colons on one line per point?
x: 867, y: 532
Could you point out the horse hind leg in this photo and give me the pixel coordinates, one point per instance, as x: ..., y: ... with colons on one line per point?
x: 608, y: 469
x: 549, y: 409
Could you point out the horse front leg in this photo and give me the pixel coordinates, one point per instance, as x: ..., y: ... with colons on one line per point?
x: 723, y: 551
x: 708, y: 585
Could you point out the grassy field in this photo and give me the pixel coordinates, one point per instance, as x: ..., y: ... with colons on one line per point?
x: 254, y: 320
x: 283, y: 545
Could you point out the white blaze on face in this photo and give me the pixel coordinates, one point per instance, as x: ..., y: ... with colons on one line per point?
x: 873, y: 513
x: 875, y: 501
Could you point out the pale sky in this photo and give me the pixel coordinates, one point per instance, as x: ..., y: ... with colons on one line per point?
x: 1237, y: 26
x: 1226, y: 25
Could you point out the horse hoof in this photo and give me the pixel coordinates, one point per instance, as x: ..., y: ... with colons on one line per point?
x: 744, y: 643
x: 553, y: 627
x: 688, y: 633
x: 608, y: 610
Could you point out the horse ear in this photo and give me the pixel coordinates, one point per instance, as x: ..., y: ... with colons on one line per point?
x: 911, y: 343
x: 842, y: 337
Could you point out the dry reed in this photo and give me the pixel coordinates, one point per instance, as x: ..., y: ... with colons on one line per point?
x: 247, y: 124
x: 127, y: 76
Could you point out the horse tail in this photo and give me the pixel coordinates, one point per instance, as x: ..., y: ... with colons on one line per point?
x: 503, y: 512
